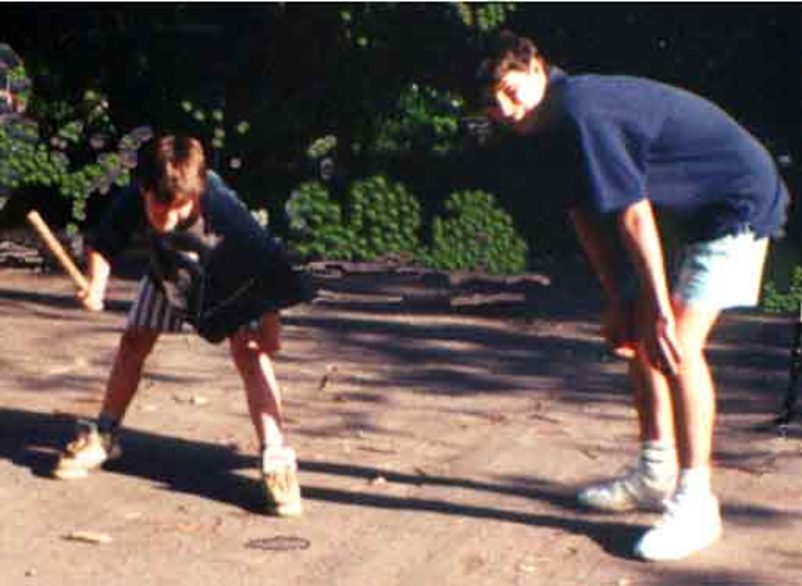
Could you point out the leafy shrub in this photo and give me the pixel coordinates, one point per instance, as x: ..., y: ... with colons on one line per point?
x: 485, y: 16
x: 384, y: 219
x: 69, y: 147
x: 476, y: 234
x: 424, y: 119
x: 777, y: 301
x: 27, y: 159
x: 315, y: 222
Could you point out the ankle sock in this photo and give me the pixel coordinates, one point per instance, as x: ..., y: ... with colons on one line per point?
x: 273, y: 437
x: 658, y: 459
x: 107, y: 424
x: 695, y: 481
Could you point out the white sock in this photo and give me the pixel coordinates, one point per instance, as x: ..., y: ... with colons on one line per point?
x: 658, y: 459
x: 695, y: 481
x: 273, y: 439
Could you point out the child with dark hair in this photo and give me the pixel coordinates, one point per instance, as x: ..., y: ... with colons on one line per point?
x: 624, y: 147
x: 212, y: 266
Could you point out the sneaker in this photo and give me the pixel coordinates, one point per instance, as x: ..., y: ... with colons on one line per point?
x: 634, y: 490
x: 280, y: 480
x: 89, y: 450
x: 688, y: 525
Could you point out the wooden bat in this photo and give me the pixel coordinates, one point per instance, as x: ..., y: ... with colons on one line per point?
x: 57, y: 249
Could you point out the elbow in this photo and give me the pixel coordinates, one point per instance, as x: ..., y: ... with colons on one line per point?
x: 636, y: 218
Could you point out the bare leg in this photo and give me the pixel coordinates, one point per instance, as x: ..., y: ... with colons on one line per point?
x: 95, y: 444
x: 135, y: 346
x: 652, y: 398
x: 693, y: 389
x: 251, y: 351
x: 692, y: 519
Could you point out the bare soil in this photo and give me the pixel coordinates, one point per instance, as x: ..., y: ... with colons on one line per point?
x: 443, y: 424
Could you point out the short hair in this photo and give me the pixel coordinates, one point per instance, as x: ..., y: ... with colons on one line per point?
x: 506, y: 52
x: 173, y: 168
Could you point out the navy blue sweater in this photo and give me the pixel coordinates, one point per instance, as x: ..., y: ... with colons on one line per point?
x: 219, y: 271
x: 635, y: 138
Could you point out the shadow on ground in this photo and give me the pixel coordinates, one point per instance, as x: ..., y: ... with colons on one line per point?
x: 527, y: 335
x: 207, y: 470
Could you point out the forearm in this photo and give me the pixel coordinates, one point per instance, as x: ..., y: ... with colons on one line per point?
x: 98, y: 271
x: 642, y: 241
x: 597, y: 251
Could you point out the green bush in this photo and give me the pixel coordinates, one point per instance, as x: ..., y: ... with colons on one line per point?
x: 485, y: 16
x: 315, y: 222
x: 424, y: 120
x: 777, y: 301
x: 384, y: 219
x: 66, y: 146
x: 476, y: 234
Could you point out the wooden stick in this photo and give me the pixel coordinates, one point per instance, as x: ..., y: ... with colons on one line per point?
x: 57, y: 249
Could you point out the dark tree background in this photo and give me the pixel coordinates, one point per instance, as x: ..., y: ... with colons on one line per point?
x: 300, y: 71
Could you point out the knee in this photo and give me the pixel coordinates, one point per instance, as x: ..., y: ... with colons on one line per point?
x: 243, y: 352
x: 137, y: 343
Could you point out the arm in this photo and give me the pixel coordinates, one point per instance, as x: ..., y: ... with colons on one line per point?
x: 617, y: 319
x: 597, y: 250
x: 98, y: 269
x: 640, y: 235
x: 116, y: 227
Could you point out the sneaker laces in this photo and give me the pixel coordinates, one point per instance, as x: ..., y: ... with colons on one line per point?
x: 627, y: 478
x: 632, y: 479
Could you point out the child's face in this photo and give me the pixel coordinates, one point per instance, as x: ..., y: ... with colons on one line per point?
x: 164, y: 217
x: 517, y: 95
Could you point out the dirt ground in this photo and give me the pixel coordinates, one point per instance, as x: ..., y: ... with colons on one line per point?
x: 442, y: 425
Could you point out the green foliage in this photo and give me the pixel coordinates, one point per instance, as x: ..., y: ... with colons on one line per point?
x: 320, y: 147
x: 485, y: 16
x: 69, y: 148
x: 316, y: 226
x: 476, y: 234
x: 210, y: 125
x: 777, y: 301
x: 384, y: 219
x: 424, y: 120
x: 20, y: 84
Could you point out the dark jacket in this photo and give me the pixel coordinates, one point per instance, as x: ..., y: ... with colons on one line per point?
x: 219, y: 270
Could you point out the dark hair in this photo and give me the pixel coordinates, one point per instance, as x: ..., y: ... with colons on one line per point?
x: 172, y: 168
x: 506, y: 51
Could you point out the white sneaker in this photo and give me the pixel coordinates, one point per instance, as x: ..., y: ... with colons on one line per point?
x: 689, y: 524
x: 88, y: 451
x: 634, y: 490
x: 280, y: 481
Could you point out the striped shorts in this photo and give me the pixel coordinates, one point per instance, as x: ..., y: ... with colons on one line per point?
x: 152, y: 310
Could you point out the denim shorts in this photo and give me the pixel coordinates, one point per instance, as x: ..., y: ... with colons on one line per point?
x: 723, y: 273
